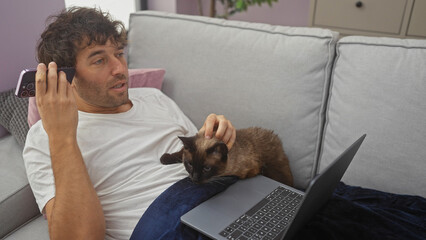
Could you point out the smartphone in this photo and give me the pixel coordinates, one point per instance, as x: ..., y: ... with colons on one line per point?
x: 26, y: 82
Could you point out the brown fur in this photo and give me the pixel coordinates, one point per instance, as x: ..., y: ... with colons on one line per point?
x: 255, y: 151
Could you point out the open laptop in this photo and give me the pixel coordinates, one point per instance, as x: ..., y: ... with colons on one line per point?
x: 261, y: 208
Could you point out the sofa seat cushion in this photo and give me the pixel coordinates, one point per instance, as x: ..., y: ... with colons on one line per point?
x: 255, y: 74
x: 36, y: 228
x: 378, y: 87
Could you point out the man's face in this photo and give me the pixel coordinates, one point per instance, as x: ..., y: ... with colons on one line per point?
x: 101, y: 78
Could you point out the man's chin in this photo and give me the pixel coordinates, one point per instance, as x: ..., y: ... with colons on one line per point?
x: 119, y: 101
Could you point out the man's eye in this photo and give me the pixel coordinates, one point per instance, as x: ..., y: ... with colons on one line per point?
x: 100, y: 61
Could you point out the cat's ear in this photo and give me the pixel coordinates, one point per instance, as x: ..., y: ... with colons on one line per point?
x: 188, y: 143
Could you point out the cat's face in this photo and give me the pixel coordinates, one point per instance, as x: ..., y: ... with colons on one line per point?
x: 203, y: 158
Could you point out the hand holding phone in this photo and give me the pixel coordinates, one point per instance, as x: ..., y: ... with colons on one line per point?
x: 56, y: 103
x: 26, y: 82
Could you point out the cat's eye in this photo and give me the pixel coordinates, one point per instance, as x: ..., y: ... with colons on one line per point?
x: 188, y: 163
x: 207, y: 168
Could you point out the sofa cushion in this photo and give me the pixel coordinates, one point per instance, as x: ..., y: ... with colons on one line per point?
x: 13, y: 115
x: 17, y: 203
x: 378, y: 87
x: 255, y: 74
x: 36, y: 228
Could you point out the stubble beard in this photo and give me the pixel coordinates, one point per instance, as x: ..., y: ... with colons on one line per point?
x: 100, y: 95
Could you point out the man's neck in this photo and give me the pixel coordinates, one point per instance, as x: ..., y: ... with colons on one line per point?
x: 85, y: 107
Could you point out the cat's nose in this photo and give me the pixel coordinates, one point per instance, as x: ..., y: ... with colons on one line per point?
x: 195, y: 177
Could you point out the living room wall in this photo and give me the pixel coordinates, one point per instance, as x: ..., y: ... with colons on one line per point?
x: 283, y: 12
x: 21, y: 23
x: 20, y: 26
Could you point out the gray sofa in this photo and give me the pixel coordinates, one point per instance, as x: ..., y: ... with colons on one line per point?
x: 319, y: 92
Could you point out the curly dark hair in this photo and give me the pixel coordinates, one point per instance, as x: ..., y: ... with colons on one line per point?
x: 74, y: 29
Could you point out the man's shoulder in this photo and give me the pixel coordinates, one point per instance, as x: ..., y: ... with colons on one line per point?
x: 152, y: 98
x: 149, y: 95
x: 37, y: 137
x: 37, y: 129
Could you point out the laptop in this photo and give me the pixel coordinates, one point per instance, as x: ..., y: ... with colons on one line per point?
x: 261, y: 208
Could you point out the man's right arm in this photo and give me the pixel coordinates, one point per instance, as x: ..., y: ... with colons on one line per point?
x: 75, y: 212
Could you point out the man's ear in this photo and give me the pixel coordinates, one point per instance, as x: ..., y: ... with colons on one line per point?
x: 224, y: 150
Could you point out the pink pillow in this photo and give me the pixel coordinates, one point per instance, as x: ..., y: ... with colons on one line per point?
x: 143, y: 77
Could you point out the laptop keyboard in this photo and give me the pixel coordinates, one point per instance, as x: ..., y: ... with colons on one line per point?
x: 267, y: 219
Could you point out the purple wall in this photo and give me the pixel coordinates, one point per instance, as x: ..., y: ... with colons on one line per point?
x: 21, y: 22
x: 20, y: 27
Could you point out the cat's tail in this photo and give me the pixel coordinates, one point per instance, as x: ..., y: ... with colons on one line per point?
x: 168, y: 158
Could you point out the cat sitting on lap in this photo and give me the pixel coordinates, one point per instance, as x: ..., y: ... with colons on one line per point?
x: 255, y: 151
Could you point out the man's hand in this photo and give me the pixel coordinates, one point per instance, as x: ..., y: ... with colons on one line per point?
x: 55, y: 102
x: 223, y: 127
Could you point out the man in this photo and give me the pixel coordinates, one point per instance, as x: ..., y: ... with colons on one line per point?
x: 93, y: 161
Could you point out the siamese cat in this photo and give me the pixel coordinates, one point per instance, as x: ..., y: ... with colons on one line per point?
x: 255, y: 151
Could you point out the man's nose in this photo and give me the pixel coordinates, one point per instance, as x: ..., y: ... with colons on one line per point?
x: 118, y: 66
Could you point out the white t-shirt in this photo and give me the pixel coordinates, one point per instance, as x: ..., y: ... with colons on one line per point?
x: 122, y: 156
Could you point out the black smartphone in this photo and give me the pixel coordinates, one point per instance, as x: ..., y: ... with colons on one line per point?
x: 26, y: 82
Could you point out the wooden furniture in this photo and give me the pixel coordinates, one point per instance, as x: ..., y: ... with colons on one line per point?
x: 392, y: 18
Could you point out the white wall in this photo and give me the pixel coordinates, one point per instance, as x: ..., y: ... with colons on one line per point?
x: 119, y: 9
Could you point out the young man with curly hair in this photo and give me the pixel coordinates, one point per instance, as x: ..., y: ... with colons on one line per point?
x: 93, y: 160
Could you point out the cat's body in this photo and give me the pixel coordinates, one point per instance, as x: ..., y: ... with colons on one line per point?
x: 255, y: 151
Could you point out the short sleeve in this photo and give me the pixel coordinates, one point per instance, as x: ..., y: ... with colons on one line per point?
x: 38, y: 166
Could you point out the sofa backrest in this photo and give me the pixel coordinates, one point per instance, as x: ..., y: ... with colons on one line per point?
x: 255, y: 74
x: 378, y: 87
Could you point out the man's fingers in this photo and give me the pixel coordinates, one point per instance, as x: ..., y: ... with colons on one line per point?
x: 222, y: 125
x: 228, y: 133
x: 209, y: 125
x: 40, y: 80
x: 62, y: 84
x: 70, y: 93
x: 52, y: 79
x: 232, y: 139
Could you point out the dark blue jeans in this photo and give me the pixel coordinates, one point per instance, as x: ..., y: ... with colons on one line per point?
x: 162, y: 219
